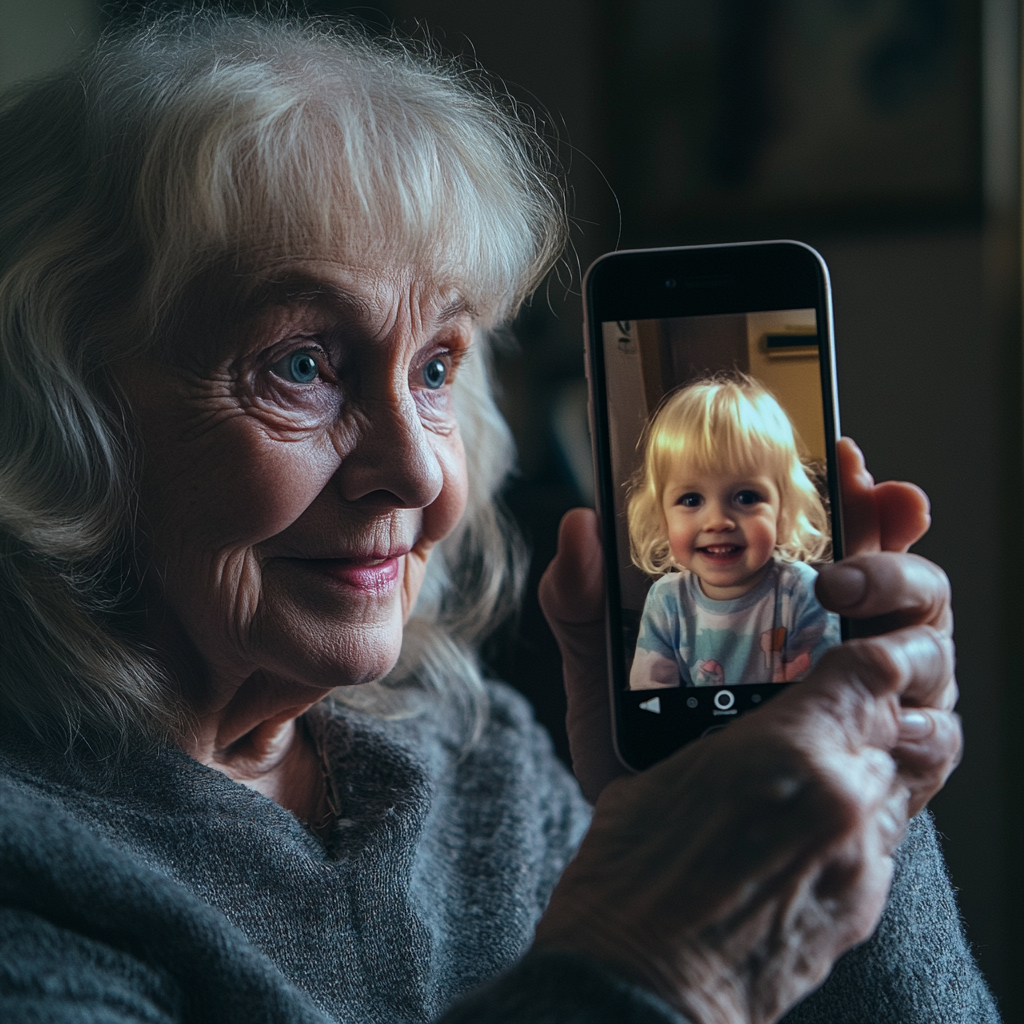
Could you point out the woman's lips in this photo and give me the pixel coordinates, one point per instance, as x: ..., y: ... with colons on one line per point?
x: 370, y: 575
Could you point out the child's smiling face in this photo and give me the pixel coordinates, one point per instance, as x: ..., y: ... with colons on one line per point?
x: 722, y: 527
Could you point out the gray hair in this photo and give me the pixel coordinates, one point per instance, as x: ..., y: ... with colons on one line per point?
x: 177, y: 150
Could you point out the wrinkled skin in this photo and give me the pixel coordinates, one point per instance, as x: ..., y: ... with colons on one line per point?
x: 287, y: 522
x: 731, y: 876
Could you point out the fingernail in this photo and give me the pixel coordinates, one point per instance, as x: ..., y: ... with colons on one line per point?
x: 914, y: 725
x: 844, y: 585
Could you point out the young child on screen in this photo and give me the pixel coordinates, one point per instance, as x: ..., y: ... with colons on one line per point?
x: 726, y: 514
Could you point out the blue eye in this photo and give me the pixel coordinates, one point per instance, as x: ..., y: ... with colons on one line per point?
x: 691, y: 500
x: 298, y: 367
x: 748, y: 498
x: 435, y: 373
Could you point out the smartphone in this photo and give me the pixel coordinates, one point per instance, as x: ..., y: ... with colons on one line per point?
x: 711, y: 373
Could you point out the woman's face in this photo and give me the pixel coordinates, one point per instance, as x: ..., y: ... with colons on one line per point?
x: 299, y: 467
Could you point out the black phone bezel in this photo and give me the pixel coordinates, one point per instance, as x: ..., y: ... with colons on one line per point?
x: 647, y: 284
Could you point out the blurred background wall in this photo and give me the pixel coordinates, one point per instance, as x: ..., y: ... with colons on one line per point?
x: 884, y: 132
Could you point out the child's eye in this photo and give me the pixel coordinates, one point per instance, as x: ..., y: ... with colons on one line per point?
x: 748, y: 498
x: 690, y: 500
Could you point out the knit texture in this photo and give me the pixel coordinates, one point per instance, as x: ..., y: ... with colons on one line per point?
x: 154, y: 889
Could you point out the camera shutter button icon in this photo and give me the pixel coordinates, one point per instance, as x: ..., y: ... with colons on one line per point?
x: 724, y: 700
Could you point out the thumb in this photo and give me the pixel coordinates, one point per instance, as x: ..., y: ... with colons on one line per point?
x: 572, y: 587
x: 572, y: 598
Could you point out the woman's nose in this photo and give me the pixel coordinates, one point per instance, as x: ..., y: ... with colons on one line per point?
x: 393, y: 458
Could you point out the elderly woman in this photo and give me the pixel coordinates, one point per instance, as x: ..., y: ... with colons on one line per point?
x: 250, y: 768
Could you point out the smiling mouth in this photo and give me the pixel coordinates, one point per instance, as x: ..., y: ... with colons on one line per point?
x: 377, y: 576
x: 722, y: 552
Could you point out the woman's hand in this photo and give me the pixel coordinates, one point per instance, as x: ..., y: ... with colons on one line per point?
x: 886, y: 517
x: 730, y: 877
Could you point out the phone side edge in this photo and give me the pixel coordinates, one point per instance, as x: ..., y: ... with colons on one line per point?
x: 590, y: 341
x: 830, y: 369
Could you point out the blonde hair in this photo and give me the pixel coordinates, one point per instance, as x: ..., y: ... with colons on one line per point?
x: 731, y: 424
x: 207, y: 148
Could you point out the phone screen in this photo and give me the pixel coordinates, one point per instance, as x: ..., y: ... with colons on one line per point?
x: 715, y: 436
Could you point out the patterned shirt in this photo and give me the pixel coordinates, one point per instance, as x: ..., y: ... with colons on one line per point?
x: 772, y: 634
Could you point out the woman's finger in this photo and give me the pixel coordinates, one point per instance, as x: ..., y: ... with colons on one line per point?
x: 913, y: 664
x: 878, y: 517
x: 886, y: 591
x: 904, y: 514
x: 572, y: 587
x: 929, y: 748
x: 572, y: 598
x: 864, y: 687
x: 860, y: 513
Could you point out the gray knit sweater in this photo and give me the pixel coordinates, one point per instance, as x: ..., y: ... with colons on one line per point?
x: 154, y: 889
